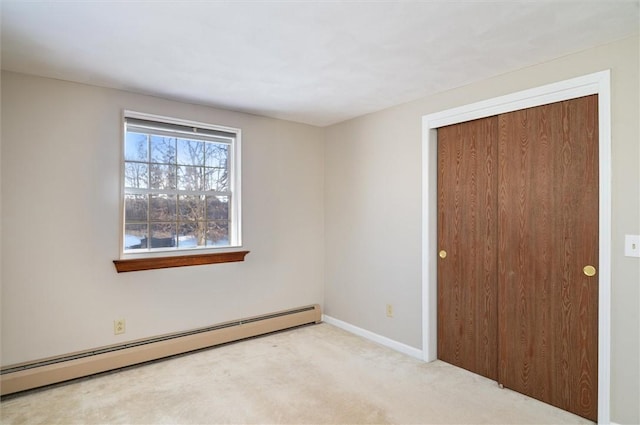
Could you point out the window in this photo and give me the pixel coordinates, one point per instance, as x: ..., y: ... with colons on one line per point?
x: 181, y: 185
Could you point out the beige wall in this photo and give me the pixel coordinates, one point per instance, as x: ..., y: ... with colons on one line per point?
x: 373, y: 209
x: 61, y: 147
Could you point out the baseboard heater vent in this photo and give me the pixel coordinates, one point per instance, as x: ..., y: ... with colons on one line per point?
x: 25, y: 376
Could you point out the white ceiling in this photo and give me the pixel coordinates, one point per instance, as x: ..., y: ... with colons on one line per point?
x: 316, y: 62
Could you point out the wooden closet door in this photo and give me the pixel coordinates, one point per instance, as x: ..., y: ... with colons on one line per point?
x: 467, y: 275
x: 547, y: 233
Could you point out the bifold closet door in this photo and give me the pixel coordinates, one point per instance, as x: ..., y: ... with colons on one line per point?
x: 518, y: 251
x: 467, y: 238
x: 548, y: 253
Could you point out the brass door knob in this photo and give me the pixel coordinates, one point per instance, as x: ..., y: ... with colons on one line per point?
x: 589, y: 271
x: 442, y: 253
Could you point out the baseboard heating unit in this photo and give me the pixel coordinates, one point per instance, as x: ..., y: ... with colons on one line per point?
x: 25, y: 376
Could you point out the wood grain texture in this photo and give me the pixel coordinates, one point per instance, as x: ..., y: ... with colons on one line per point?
x: 467, y: 277
x: 153, y: 263
x: 547, y: 232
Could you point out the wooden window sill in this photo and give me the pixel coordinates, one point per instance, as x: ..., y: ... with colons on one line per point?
x: 153, y: 263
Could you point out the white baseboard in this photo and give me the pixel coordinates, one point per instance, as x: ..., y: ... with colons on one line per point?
x: 382, y: 340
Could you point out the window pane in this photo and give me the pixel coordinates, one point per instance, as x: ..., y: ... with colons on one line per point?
x: 162, y: 207
x: 216, y: 179
x: 217, y: 207
x: 136, y: 175
x: 135, y: 236
x: 190, y: 152
x: 190, y: 208
x: 192, y: 235
x: 163, y: 235
x: 163, y: 149
x: 216, y: 155
x: 190, y: 178
x: 162, y: 176
x: 136, y: 147
x: 135, y: 208
x: 218, y: 233
x: 217, y: 161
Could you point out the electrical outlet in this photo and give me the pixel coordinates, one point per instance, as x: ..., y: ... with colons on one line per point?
x: 118, y: 326
x: 389, y: 310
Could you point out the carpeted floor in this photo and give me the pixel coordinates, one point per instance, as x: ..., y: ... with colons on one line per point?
x: 316, y: 374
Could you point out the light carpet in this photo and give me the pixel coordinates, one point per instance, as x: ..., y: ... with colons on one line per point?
x: 315, y: 374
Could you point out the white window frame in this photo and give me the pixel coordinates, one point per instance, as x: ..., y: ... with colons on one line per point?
x: 235, y: 187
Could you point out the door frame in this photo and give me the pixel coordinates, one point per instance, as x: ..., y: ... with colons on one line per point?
x: 597, y: 83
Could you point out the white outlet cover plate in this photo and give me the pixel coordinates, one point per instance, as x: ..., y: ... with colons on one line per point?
x: 632, y: 245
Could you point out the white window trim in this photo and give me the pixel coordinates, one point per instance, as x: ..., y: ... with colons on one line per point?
x: 597, y: 83
x: 235, y: 186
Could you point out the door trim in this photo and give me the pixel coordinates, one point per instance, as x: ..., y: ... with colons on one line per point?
x: 597, y: 83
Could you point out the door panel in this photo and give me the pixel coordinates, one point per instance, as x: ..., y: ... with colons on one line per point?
x: 547, y: 232
x: 467, y: 276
